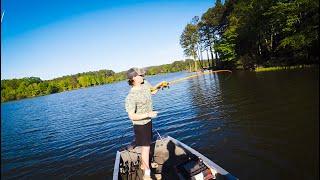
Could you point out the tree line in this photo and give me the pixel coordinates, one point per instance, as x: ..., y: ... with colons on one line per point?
x: 15, y: 89
x: 249, y: 33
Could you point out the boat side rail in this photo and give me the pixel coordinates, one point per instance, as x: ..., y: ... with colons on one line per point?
x: 205, y: 159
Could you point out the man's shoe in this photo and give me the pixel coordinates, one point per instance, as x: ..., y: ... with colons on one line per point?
x: 146, y: 177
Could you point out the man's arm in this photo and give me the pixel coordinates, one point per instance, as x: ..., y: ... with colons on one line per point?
x: 138, y: 117
x: 155, y: 89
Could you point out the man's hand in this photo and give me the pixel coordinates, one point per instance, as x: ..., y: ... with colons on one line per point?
x: 138, y: 117
x: 152, y: 114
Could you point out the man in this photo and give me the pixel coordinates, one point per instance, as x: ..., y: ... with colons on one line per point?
x: 139, y: 107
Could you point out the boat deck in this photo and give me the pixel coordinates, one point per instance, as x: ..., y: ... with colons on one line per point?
x: 170, y: 159
x: 165, y: 156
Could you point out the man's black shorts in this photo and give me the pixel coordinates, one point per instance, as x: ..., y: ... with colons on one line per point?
x: 143, y: 134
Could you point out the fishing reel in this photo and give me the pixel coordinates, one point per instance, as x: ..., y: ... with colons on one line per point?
x: 164, y: 84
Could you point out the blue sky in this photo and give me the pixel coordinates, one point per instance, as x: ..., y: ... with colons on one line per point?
x: 53, y: 38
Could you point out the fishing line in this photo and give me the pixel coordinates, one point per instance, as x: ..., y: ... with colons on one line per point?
x: 165, y: 84
x: 158, y: 133
x: 196, y: 75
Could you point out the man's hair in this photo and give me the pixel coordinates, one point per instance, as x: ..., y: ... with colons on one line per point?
x: 130, y: 82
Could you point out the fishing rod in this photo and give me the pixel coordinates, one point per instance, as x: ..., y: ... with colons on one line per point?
x: 165, y: 84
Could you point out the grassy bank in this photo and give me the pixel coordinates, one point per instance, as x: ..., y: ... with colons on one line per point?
x: 276, y: 68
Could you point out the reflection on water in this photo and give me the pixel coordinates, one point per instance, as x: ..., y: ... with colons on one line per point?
x: 255, y: 125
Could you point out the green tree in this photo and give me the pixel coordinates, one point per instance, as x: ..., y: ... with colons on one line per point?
x: 52, y: 88
x: 189, y: 40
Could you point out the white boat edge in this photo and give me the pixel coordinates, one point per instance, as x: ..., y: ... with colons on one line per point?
x: 205, y: 159
x: 116, y: 166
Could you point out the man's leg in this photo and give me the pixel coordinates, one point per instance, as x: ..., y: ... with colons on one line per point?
x: 145, y: 150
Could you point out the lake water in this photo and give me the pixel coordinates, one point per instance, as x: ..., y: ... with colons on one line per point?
x: 255, y: 125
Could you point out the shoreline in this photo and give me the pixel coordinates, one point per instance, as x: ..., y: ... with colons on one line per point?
x: 257, y: 69
x: 277, y: 68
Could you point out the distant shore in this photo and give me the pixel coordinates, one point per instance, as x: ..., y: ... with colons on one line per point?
x: 17, y: 89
